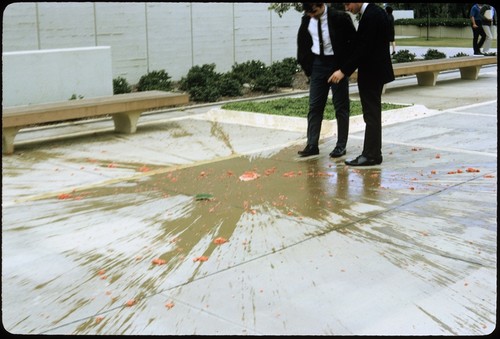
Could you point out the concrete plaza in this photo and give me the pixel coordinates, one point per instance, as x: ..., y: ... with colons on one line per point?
x: 155, y: 233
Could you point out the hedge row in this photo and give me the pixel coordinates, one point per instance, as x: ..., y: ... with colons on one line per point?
x: 204, y: 84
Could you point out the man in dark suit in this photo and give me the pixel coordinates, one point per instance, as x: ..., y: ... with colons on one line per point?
x: 371, y: 56
x: 323, y: 44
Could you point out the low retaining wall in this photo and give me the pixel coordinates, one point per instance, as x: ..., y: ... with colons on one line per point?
x: 436, y: 32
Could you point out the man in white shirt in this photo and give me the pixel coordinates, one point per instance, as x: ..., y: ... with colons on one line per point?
x: 324, y: 39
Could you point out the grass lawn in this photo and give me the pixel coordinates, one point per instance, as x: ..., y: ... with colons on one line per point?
x: 294, y: 107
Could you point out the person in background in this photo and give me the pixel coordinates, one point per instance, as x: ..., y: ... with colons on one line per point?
x: 371, y: 57
x: 392, y: 34
x: 323, y: 40
x: 488, y: 18
x: 478, y: 34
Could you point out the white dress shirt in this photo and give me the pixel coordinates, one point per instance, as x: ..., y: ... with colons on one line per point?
x: 313, y: 30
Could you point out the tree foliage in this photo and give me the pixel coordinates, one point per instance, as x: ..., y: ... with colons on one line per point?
x: 281, y: 7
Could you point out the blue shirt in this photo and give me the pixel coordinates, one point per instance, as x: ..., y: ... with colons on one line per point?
x: 475, y: 12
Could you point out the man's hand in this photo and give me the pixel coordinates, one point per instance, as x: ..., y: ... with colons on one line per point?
x: 336, y: 77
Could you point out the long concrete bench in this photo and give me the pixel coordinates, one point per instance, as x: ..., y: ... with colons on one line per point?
x: 125, y: 110
x: 427, y: 71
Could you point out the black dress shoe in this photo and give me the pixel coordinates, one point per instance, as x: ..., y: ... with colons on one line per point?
x: 338, y: 152
x: 308, y: 151
x: 364, y: 161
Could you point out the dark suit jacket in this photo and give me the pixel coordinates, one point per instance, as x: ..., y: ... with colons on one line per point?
x: 371, y: 51
x: 342, y: 32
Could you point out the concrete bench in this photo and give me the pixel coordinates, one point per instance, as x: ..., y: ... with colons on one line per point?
x: 427, y: 70
x: 125, y: 110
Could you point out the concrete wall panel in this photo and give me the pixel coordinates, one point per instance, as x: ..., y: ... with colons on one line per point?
x: 66, y: 26
x: 40, y: 76
x: 123, y: 27
x: 173, y: 36
x: 284, y: 35
x: 19, y: 27
x: 213, y: 34
x: 169, y: 38
x: 252, y: 31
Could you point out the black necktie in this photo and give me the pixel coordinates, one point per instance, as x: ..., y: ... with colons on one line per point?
x: 320, y: 34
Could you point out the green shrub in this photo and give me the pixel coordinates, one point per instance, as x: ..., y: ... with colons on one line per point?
x: 284, y: 71
x: 248, y: 71
x: 403, y: 55
x: 120, y: 86
x: 263, y: 78
x: 229, y: 86
x: 434, y: 54
x: 204, y: 94
x: 204, y: 84
x: 200, y: 83
x: 198, y: 76
x: 266, y: 82
x: 460, y: 54
x: 75, y: 97
x: 155, y: 80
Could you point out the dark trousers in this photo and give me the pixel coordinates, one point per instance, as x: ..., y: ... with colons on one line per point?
x: 371, y: 102
x: 323, y: 68
x: 478, y: 38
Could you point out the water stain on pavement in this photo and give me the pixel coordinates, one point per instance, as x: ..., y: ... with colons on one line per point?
x: 96, y: 238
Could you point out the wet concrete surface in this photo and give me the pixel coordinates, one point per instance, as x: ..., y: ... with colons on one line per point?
x: 156, y: 234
